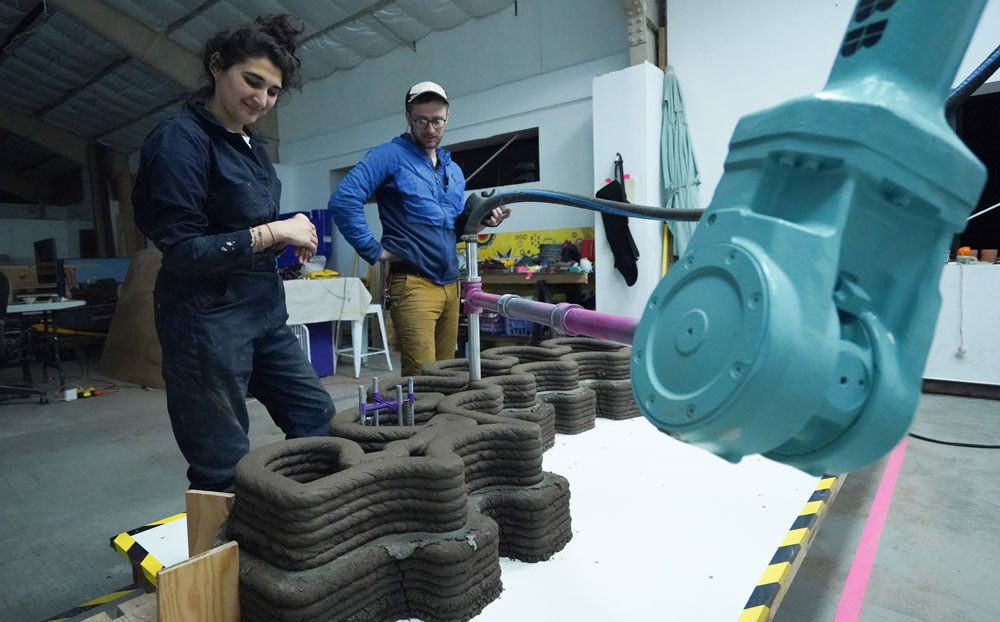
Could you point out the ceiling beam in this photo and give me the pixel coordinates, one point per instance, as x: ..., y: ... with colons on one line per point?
x: 204, y: 6
x: 65, y: 97
x: 139, y: 40
x: 57, y: 140
x: 31, y: 20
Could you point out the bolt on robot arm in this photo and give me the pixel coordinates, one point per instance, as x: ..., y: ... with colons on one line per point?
x: 798, y: 321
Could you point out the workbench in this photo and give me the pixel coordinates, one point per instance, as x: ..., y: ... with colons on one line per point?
x: 540, y: 286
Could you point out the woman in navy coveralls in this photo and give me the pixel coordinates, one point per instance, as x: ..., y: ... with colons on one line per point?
x: 208, y: 197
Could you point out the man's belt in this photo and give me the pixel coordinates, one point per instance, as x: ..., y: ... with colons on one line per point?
x: 404, y: 267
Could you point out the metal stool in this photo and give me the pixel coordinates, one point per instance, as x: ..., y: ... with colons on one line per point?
x: 359, y: 349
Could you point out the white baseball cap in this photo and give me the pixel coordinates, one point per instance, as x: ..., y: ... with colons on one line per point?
x: 420, y: 88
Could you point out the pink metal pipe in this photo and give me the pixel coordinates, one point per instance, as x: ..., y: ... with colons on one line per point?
x: 617, y: 328
x: 565, y: 318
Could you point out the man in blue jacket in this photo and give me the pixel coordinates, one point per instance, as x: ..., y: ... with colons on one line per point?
x: 420, y: 193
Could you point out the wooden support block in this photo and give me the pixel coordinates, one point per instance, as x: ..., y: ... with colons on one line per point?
x: 204, y: 588
x: 141, y: 609
x: 205, y: 512
x: 810, y: 535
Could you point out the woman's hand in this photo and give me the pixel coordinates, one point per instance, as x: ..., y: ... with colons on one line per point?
x: 297, y: 231
x: 497, y: 216
x: 303, y: 254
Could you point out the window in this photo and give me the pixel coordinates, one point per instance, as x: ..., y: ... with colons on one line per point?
x: 517, y: 163
x: 979, y: 129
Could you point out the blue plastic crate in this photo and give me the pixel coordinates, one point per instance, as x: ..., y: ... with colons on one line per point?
x: 518, y: 327
x: 491, y: 324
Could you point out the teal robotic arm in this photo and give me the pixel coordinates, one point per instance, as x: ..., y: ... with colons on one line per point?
x: 798, y: 322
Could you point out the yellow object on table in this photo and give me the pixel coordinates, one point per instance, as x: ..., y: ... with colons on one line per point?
x: 322, y: 274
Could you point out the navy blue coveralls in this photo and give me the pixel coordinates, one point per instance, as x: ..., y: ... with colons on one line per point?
x: 219, y: 308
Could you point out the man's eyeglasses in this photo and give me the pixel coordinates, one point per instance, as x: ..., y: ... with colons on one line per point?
x: 422, y: 123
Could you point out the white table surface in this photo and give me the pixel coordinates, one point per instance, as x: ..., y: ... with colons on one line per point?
x: 326, y: 300
x: 661, y: 531
x: 36, y: 307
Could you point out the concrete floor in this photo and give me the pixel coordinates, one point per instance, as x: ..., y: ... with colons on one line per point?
x: 939, y: 554
x: 74, y: 474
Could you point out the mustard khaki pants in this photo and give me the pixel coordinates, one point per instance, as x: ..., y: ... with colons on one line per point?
x: 425, y: 315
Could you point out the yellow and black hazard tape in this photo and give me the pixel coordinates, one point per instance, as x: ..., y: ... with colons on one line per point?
x: 92, y: 604
x: 765, y: 596
x: 131, y: 550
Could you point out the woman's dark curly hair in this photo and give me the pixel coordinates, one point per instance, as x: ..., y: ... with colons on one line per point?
x: 270, y: 36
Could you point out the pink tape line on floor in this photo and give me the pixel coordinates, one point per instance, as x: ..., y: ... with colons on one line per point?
x: 857, y: 578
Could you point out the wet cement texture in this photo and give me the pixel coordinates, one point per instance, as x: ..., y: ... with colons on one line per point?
x: 390, y: 522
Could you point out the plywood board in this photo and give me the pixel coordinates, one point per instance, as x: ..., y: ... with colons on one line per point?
x: 205, y: 587
x: 205, y: 512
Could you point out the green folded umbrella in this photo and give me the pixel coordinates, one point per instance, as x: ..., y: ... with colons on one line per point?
x: 680, y: 171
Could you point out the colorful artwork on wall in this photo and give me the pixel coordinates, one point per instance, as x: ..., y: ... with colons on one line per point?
x: 526, y: 243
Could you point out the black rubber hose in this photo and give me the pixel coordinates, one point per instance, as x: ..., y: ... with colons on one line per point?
x: 478, y: 207
x: 954, y: 443
x: 975, y: 80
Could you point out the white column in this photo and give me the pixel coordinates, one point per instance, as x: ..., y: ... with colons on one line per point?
x: 628, y: 107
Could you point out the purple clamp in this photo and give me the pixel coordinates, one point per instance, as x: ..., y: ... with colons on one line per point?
x: 469, y: 290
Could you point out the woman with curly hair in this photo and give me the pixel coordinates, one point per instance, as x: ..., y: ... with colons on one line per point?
x: 208, y: 197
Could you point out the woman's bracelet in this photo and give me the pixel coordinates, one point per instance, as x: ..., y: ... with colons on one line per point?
x: 256, y: 240
x: 273, y: 239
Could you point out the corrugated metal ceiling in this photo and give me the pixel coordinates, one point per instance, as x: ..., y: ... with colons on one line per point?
x: 62, y: 71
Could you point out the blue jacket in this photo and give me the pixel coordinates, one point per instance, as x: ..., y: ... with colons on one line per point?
x: 198, y: 191
x: 417, y: 205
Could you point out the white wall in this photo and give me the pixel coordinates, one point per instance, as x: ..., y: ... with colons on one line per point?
x: 22, y: 224
x: 18, y: 236
x: 966, y: 341
x: 628, y: 109
x: 502, y: 73
x: 734, y: 58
